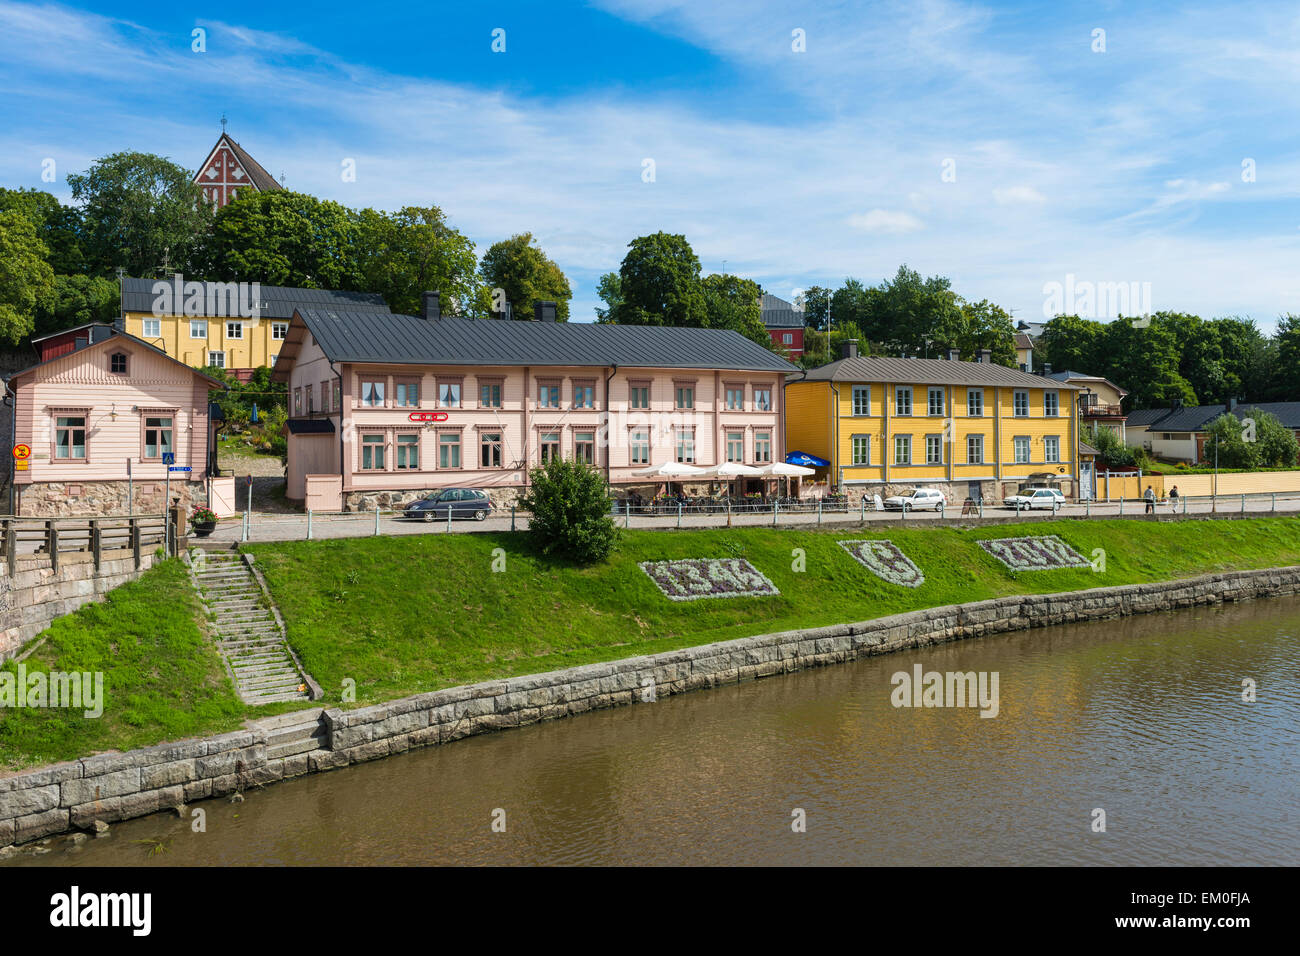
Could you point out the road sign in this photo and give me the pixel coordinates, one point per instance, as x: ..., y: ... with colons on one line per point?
x: 180, y: 468
x: 21, y: 464
x: 22, y: 452
x: 169, y: 458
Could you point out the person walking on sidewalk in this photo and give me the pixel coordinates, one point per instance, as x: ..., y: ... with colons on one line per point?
x: 1150, y: 497
x: 1173, y: 497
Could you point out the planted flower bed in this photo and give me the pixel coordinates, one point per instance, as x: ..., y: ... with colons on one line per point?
x: 1034, y: 554
x: 886, y: 561
x: 696, y: 578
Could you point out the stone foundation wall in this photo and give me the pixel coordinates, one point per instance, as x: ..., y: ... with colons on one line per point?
x: 35, y: 595
x: 113, y: 787
x: 79, y: 499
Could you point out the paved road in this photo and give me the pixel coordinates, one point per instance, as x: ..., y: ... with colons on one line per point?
x: 283, y: 527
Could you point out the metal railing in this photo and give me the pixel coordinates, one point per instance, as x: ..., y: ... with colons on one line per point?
x: 718, y: 513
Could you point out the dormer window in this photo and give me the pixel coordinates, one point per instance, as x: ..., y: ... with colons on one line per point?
x: 117, y: 363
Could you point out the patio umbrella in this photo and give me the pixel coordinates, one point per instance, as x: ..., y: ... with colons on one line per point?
x: 786, y: 470
x: 803, y: 458
x: 670, y: 469
x: 783, y: 469
x: 734, y: 469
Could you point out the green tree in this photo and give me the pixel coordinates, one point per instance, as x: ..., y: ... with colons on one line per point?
x: 815, y: 303
x: 76, y: 300
x: 1145, y: 361
x: 1070, y: 343
x: 1109, y: 445
x: 1226, y: 445
x: 286, y: 238
x: 610, y: 290
x: 984, y: 325
x: 1276, y: 444
x: 659, y: 284
x: 731, y: 302
x: 908, y: 309
x: 26, y: 279
x: 57, y: 225
x: 414, y: 250
x: 1285, y: 384
x: 523, y: 272
x: 139, y: 211
x: 570, y: 507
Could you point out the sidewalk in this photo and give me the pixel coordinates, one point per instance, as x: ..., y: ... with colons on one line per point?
x: 294, y: 527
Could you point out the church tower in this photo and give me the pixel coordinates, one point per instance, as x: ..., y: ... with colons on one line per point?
x: 229, y: 171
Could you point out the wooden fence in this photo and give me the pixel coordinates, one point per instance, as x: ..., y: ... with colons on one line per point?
x: 49, y: 538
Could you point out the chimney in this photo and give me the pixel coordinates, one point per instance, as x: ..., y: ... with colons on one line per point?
x: 1176, y: 403
x: 544, y: 311
x: 1232, y: 405
x: 954, y: 355
x: 986, y: 356
x: 430, y: 309
x: 849, y: 348
x: 1047, y: 369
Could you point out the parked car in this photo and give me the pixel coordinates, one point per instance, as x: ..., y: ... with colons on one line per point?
x: 459, y: 502
x: 1037, y: 498
x: 918, y: 499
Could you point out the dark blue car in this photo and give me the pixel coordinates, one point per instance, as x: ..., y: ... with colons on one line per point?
x: 458, y: 502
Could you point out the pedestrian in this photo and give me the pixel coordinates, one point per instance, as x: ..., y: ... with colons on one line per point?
x: 1150, y: 497
x: 1173, y: 497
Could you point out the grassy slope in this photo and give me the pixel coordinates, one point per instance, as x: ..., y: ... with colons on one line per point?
x: 163, y: 680
x: 405, y: 614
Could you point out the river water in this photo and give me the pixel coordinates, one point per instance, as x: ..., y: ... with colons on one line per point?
x: 1142, y: 718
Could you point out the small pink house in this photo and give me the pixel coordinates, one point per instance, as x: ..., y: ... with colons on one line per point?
x: 101, y: 419
x: 386, y: 407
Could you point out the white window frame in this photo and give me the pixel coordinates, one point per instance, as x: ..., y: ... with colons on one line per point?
x: 862, y: 408
x: 151, y: 329
x: 234, y: 329
x: 899, y: 392
x: 217, y: 359
x: 201, y: 325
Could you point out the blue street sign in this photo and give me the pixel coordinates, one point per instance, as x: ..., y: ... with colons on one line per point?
x: 169, y: 458
x: 180, y: 468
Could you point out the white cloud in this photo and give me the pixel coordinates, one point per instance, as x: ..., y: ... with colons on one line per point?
x: 886, y: 220
x: 1017, y: 194
x: 771, y: 195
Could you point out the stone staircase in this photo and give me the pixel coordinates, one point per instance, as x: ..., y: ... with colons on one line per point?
x: 249, y: 632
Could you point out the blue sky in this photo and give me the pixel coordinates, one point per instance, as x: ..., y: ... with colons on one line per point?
x: 792, y: 168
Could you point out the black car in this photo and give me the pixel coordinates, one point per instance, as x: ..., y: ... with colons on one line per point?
x: 458, y: 502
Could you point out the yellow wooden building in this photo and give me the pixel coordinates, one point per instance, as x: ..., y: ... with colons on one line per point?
x: 232, y: 325
x: 969, y: 429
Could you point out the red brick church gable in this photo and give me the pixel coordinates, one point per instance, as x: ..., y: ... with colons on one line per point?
x: 228, y: 171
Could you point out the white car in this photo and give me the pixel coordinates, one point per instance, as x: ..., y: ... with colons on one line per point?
x: 918, y: 499
x: 1037, y: 498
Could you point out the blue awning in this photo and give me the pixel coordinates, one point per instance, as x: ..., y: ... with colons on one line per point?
x: 805, y: 459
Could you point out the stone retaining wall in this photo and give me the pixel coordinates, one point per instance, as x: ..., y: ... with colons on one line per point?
x: 35, y: 595
x: 118, y: 786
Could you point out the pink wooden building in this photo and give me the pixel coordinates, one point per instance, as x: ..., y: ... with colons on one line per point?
x: 385, y: 407
x: 99, y: 421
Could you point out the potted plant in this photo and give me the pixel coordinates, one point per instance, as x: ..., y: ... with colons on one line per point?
x: 203, y: 519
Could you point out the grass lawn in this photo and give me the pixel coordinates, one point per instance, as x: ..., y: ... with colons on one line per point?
x: 406, y: 614
x: 163, y: 679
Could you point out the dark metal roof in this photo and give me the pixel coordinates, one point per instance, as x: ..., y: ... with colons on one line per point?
x: 409, y: 340
x: 928, y: 372
x: 1145, y: 416
x: 779, y: 314
x: 1195, y: 418
x: 274, y: 302
x: 95, y: 332
x: 310, y: 426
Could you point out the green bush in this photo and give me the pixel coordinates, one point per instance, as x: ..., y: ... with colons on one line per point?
x: 571, y: 511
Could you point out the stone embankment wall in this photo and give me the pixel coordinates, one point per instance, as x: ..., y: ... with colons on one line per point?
x: 36, y: 594
x: 114, y: 786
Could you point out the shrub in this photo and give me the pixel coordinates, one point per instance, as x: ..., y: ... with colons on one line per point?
x: 571, y: 511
